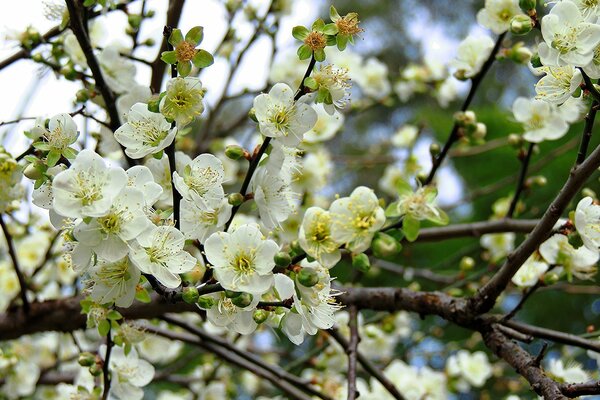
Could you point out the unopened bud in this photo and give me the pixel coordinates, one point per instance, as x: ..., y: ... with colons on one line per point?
x: 515, y: 140
x: 434, y: 149
x: 520, y: 54
x: 231, y: 294
x: 536, y: 62
x: 252, y: 115
x: 282, y: 259
x: 82, y: 96
x: 32, y: 172
x: 521, y: 25
x: 260, y: 316
x: 96, y: 370
x: 540, y: 180
x: 527, y: 5
x: 37, y: 57
x: 385, y: 246
x: 134, y: 20
x: 308, y: 277
x: 585, y: 192
x: 551, y: 278
x: 190, y: 294
x: 243, y: 300
x: 234, y: 152
x: 466, y: 264
x: 206, y: 302
x: 296, y: 248
x: 235, y: 199
x: 154, y: 103
x: 465, y: 118
x: 86, y: 359
x: 480, y: 131
x: 149, y: 42
x: 361, y: 262
x: 422, y: 177
x: 455, y: 292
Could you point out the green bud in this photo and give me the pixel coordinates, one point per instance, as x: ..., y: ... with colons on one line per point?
x: 480, y: 131
x: 422, y: 177
x: 231, y: 294
x: 134, y: 20
x: 206, y: 302
x: 515, y: 140
x: 308, y: 277
x: 361, y: 262
x: 96, y: 370
x: 466, y: 264
x: 282, y: 259
x: 150, y: 13
x: 252, y: 114
x: 585, y: 192
x: 295, y: 246
x: 235, y: 199
x: 86, y: 359
x: 149, y: 42
x: 455, y: 292
x: 69, y: 73
x: 434, y: 149
x: 519, y: 53
x: 260, y: 316
x: 536, y: 62
x: 551, y: 278
x: 32, y: 172
x: 385, y: 246
x: 190, y: 294
x: 521, y: 25
x: 154, y: 103
x: 37, y: 57
x: 527, y: 5
x: 82, y: 95
x: 540, y: 180
x: 234, y: 152
x: 243, y: 300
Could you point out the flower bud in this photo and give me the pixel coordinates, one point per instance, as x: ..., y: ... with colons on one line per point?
x: 243, y: 300
x: 235, y: 199
x: 519, y: 53
x: 134, y: 20
x: 260, y: 316
x: 190, y: 294
x: 154, y: 103
x: 521, y: 25
x: 551, y: 278
x: 234, y: 152
x: 585, y: 192
x: 385, y: 246
x: 82, y: 96
x: 540, y: 180
x: 515, y: 140
x: 434, y: 149
x: 282, y: 259
x: 308, y: 277
x: 96, y: 370
x: 466, y: 264
x: 252, y: 114
x: 37, y: 57
x: 480, y: 131
x: 361, y: 262
x: 32, y: 172
x: 86, y: 359
x: 206, y: 302
x: 455, y: 292
x: 149, y: 42
x: 295, y: 246
x: 465, y: 118
x: 527, y: 5
x: 536, y: 62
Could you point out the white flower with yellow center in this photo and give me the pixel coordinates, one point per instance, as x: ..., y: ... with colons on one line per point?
x: 587, y: 222
x: 141, y: 178
x: 580, y: 262
x: 159, y: 252
x: 197, y: 223
x: 572, y: 372
x: 496, y: 14
x: 326, y: 127
x: 315, y: 237
x: 569, y: 39
x: 202, y: 181
x: 114, y: 282
x: 227, y: 315
x: 593, y: 68
x: 355, y: 219
x: 183, y: 100
x: 145, y: 132
x: 558, y: 84
x: 471, y: 54
x: 590, y: 9
x: 530, y: 273
x: 541, y: 120
x: 108, y: 235
x: 280, y: 117
x: 334, y: 80
x: 61, y: 132
x: 242, y: 260
x: 498, y: 244
x: 474, y: 368
x: 118, y: 71
x: 161, y: 173
x: 372, y: 77
x: 273, y: 196
x: 88, y: 188
x: 128, y: 373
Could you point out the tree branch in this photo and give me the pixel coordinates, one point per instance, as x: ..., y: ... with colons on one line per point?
x: 521, y: 182
x: 13, y: 256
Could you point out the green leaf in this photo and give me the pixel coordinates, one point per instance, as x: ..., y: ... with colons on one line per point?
x: 53, y: 157
x: 341, y: 41
x: 304, y: 52
x: 300, y: 32
x: 176, y: 37
x: 203, y: 59
x: 103, y: 327
x: 330, y: 29
x: 318, y: 25
x: 114, y: 315
x: 411, y: 226
x: 195, y: 35
x: 69, y: 153
x: 141, y: 295
x: 311, y: 83
x: 170, y: 57
x: 320, y: 55
x: 184, y: 68
x: 333, y: 14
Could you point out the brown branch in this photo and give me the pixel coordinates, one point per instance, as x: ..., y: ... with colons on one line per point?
x: 521, y: 182
x: 573, y: 390
x: 13, y: 256
x: 587, y: 132
x: 352, y: 351
x: 476, y: 229
x: 106, y: 366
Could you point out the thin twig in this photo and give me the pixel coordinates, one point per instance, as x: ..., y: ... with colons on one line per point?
x: 587, y: 132
x: 106, y: 366
x: 13, y: 256
x: 521, y: 182
x: 352, y: 351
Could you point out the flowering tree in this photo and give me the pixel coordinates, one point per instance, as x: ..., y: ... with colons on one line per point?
x: 167, y: 240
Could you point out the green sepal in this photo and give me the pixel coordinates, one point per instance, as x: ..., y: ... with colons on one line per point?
x: 320, y: 55
x: 341, y: 41
x: 195, y: 35
x: 114, y: 315
x: 304, y: 52
x: 158, y: 155
x: 300, y: 32
x: 44, y: 146
x: 176, y: 37
x: 69, y: 153
x: 142, y: 295
x: 391, y: 210
x: 402, y: 187
x: 184, y: 68
x: 324, y: 95
x: 170, y: 57
x: 318, y: 25
x: 311, y: 83
x: 331, y: 40
x: 53, y: 157
x: 203, y: 59
x: 103, y: 327
x: 410, y: 227
x: 333, y: 14
x: 330, y: 29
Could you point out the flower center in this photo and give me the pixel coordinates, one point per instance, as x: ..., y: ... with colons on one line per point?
x: 185, y: 51
x: 316, y: 41
x: 348, y: 25
x: 243, y: 263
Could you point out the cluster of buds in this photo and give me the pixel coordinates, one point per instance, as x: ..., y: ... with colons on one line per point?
x: 470, y: 131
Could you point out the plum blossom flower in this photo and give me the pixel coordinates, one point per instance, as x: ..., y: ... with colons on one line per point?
x: 558, y: 84
x: 541, y: 120
x: 473, y: 368
x: 129, y: 373
x: 242, y: 260
x: 197, y: 223
x: 183, y: 100
x: 273, y: 196
x: 471, y: 54
x: 530, y: 272
x: 202, y: 181
x: 279, y: 116
x: 145, y: 132
x: 580, y: 262
x: 159, y: 252
x: 114, y: 282
x: 496, y: 14
x: 587, y: 222
x: 315, y: 237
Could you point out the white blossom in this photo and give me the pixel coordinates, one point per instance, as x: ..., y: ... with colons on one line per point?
x: 496, y: 14
x: 202, y: 181
x: 587, y: 222
x: 471, y: 54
